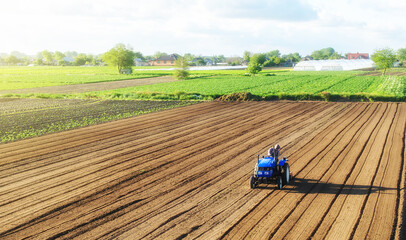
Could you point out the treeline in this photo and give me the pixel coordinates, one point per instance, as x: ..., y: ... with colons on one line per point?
x: 271, y: 58
x: 330, y: 53
x: 47, y: 58
x: 267, y: 59
x: 326, y: 53
x: 72, y: 58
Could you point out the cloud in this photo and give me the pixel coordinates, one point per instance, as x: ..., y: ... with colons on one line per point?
x: 293, y: 10
x: 202, y: 27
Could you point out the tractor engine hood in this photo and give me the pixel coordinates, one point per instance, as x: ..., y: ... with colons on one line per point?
x: 266, y: 162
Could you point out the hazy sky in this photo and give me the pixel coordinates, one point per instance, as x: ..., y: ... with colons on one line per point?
x: 203, y: 27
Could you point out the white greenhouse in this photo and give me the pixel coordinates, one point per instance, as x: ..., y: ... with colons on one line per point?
x: 334, y: 65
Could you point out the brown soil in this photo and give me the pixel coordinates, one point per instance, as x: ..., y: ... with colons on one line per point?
x: 89, y: 87
x: 184, y: 173
x: 244, y: 96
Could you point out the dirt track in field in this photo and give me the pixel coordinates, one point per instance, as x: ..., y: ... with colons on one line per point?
x: 184, y: 174
x: 89, y: 87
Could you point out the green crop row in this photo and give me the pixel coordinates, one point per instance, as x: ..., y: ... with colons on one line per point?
x: 209, y: 85
x: 283, y: 85
x: 24, y: 118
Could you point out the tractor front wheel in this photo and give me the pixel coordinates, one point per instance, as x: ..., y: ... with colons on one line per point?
x: 252, y: 182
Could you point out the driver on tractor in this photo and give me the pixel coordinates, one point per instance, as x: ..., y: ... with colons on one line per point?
x: 274, y: 152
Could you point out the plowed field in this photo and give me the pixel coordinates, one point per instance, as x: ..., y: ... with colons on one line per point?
x: 184, y: 173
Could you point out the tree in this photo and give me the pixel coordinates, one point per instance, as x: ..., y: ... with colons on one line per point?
x: 217, y: 59
x: 12, y: 60
x: 402, y: 55
x: 247, y: 56
x: 214, y: 60
x: 189, y: 57
x: 273, y: 61
x: 58, y: 56
x: 269, y: 63
x: 48, y: 57
x: 323, y: 54
x: 327, y: 52
x: 120, y: 57
x: 294, y: 57
x: 278, y: 60
x: 81, y: 59
x: 384, y: 59
x: 273, y: 53
x: 39, y: 61
x: 259, y: 58
x: 335, y: 55
x: 139, y: 55
x: 254, y: 66
x: 220, y: 58
x: 200, y: 61
x: 181, y: 68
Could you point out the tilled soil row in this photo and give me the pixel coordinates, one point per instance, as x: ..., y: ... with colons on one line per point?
x: 331, y: 205
x: 183, y: 173
x: 269, y: 207
x: 74, y: 174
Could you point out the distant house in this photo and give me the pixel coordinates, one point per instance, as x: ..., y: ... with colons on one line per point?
x: 245, y: 63
x: 139, y: 62
x: 352, y: 56
x: 307, y: 58
x: 69, y: 59
x: 287, y: 63
x: 209, y: 61
x: 166, y: 60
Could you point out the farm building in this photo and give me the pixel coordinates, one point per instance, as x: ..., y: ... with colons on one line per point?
x: 352, y: 56
x: 166, y: 60
x: 334, y: 65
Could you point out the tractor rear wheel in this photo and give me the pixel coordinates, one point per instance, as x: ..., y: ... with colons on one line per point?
x: 285, y: 173
x: 279, y: 183
x: 252, y: 182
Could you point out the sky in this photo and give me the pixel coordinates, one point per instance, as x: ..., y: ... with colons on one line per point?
x: 204, y: 27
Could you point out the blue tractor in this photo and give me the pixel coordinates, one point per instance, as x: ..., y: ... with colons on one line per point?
x: 268, y: 169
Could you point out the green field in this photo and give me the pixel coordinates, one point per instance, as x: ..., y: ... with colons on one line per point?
x: 275, y: 85
x: 22, y: 118
x: 31, y: 77
x: 209, y: 85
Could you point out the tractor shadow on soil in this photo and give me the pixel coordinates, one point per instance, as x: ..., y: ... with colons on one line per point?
x: 312, y: 186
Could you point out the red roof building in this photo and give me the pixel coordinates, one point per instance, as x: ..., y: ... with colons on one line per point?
x: 166, y: 60
x: 352, y: 56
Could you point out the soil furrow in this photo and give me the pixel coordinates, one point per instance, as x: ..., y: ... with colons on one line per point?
x: 262, y: 211
x: 331, y: 182
x: 184, y: 174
